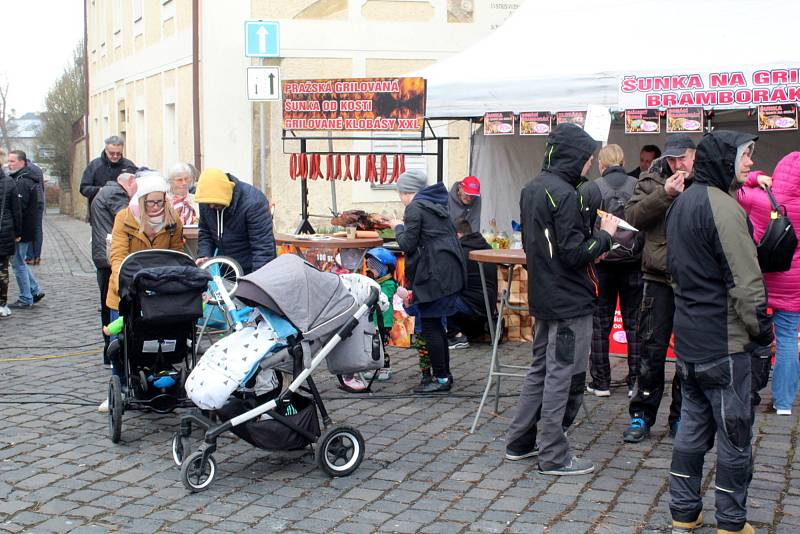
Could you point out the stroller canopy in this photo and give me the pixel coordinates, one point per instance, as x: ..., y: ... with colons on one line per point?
x: 291, y: 287
x: 148, y: 258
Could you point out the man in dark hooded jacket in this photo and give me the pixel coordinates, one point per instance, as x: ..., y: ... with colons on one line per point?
x: 561, y: 250
x: 720, y: 322
x: 234, y: 221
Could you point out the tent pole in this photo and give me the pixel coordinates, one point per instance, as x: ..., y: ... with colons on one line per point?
x: 440, y: 160
x: 305, y: 226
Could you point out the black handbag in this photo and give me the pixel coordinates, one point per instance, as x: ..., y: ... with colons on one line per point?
x: 779, y: 242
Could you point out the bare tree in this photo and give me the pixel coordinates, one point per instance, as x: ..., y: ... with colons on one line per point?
x: 65, y: 104
x: 4, y: 84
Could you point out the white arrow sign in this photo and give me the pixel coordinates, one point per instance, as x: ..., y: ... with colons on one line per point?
x: 262, y: 39
x: 263, y: 83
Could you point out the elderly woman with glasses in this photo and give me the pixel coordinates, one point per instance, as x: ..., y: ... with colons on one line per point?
x: 182, y: 177
x: 148, y: 222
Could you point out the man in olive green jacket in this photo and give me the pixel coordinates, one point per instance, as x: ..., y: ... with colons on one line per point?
x: 655, y: 191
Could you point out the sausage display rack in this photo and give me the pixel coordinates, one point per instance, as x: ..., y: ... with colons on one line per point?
x: 290, y: 138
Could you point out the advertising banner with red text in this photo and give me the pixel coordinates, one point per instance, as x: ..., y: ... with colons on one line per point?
x: 354, y: 104
x: 733, y: 89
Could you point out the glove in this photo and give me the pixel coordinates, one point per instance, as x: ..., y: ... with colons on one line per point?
x: 760, y: 364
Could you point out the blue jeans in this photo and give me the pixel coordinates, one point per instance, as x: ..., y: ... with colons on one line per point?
x: 787, y: 368
x: 28, y: 286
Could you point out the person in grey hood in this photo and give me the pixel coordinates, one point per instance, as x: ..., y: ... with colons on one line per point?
x: 721, y: 326
x: 435, y: 267
x: 464, y: 202
x: 561, y: 248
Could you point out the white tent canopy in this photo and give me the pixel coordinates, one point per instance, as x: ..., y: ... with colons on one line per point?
x: 565, y: 55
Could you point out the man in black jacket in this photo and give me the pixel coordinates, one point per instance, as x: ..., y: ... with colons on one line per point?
x: 561, y: 250
x: 27, y: 186
x: 234, y: 221
x: 110, y: 200
x: 720, y: 322
x: 104, y: 169
x: 471, y: 322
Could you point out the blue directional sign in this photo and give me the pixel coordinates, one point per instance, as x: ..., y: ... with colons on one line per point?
x: 261, y: 38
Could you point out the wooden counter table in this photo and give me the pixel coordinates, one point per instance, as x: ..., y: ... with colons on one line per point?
x: 335, y: 254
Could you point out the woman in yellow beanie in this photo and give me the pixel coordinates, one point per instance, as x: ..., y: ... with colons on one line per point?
x: 234, y: 221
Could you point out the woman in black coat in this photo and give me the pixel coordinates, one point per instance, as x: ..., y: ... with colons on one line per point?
x: 435, y: 267
x: 10, y: 231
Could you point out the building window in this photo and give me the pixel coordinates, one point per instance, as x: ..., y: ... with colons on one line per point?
x: 170, y: 136
x: 138, y: 18
x: 141, y: 138
x: 167, y: 9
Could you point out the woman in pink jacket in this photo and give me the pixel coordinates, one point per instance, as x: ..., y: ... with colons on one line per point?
x: 783, y: 289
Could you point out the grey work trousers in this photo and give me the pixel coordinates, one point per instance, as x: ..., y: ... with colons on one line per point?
x: 560, y: 352
x: 716, y: 403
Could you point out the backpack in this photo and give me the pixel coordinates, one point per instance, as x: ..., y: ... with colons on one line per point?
x: 613, y: 202
x: 779, y: 242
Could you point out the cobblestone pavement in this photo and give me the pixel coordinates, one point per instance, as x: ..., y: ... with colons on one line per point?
x: 423, y: 471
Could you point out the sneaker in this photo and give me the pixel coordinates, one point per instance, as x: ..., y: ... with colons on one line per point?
x: 423, y: 381
x: 353, y: 383
x: 783, y: 412
x: 636, y: 432
x: 103, y: 408
x: 746, y: 529
x: 38, y: 296
x: 630, y: 393
x: 5, y: 311
x: 458, y: 342
x: 18, y: 304
x: 435, y: 386
x: 679, y: 527
x: 576, y: 466
x: 673, y: 427
x: 597, y: 391
x: 521, y: 455
x: 384, y: 374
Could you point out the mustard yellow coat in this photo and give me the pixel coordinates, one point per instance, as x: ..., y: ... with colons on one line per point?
x: 126, y: 238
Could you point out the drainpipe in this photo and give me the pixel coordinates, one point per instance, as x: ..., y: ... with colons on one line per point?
x: 86, y: 77
x: 198, y: 160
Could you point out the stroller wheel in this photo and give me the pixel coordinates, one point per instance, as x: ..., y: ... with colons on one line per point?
x: 177, y: 449
x: 197, y: 475
x: 115, y: 409
x: 340, y: 451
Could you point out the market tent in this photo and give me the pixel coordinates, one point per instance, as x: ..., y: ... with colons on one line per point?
x: 565, y: 55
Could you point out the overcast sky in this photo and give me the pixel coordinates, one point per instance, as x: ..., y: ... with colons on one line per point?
x: 37, y: 38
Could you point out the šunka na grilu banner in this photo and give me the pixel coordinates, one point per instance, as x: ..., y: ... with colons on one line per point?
x: 354, y: 104
x: 722, y: 89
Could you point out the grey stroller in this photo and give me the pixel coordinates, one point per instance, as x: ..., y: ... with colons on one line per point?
x: 326, y: 322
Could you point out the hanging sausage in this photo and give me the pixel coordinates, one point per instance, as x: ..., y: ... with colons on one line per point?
x: 293, y: 166
x: 384, y: 169
x: 347, y: 175
x: 329, y: 164
x: 357, y: 168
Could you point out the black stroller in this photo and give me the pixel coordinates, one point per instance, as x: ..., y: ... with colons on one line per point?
x: 327, y: 321
x: 161, y: 298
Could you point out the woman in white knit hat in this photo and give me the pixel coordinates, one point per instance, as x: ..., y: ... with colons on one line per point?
x: 148, y: 222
